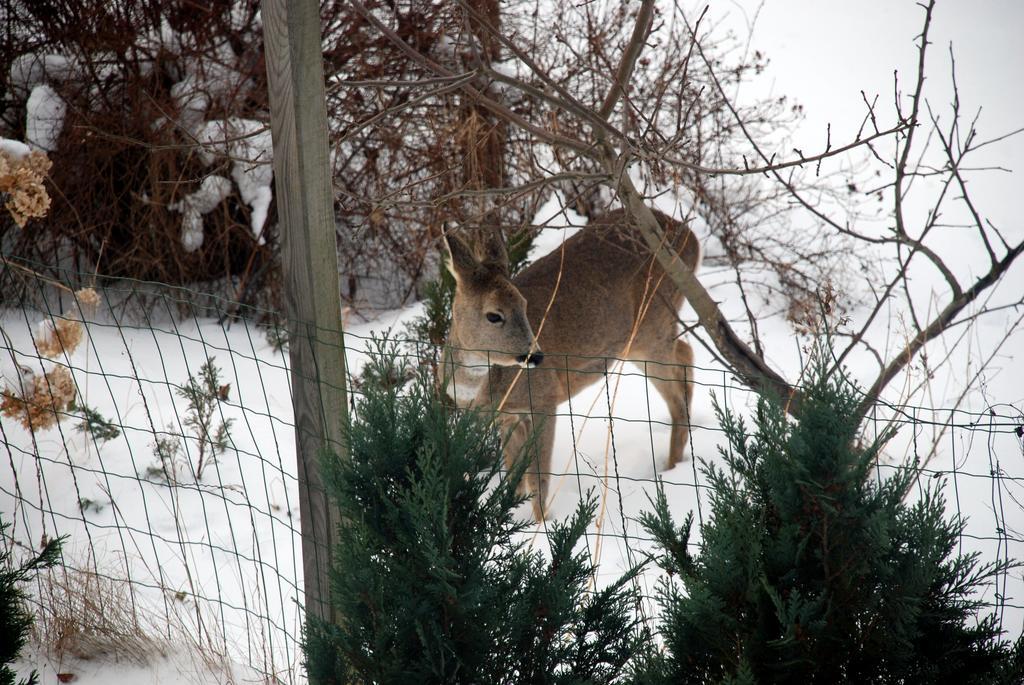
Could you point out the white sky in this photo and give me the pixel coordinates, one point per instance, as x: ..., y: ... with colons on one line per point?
x: 824, y: 52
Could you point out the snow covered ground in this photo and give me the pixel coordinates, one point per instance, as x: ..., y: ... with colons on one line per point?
x: 216, y: 565
x: 217, y: 560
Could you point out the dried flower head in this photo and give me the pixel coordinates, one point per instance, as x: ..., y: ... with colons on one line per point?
x: 21, y: 182
x: 58, y: 336
x: 38, y: 163
x: 45, y: 398
x: 88, y: 299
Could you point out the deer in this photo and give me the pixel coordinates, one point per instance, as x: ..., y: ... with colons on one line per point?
x: 523, y: 345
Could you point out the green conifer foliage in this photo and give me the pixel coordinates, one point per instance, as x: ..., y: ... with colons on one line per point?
x: 430, y: 580
x: 812, y: 571
x: 15, y: 619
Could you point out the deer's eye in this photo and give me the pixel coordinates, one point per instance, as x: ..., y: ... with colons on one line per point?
x: 494, y: 317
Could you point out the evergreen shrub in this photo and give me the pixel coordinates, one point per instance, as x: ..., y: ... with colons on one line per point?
x: 15, y: 618
x: 813, y: 569
x: 433, y: 579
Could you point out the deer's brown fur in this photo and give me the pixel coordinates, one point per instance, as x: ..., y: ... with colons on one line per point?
x: 613, y: 301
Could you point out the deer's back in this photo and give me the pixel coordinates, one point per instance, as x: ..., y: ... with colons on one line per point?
x: 607, y: 274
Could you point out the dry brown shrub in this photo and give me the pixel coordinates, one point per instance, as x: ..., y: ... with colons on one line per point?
x: 410, y: 158
x: 407, y: 157
x: 126, y: 154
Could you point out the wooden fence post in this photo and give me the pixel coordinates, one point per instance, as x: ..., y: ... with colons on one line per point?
x: 305, y: 208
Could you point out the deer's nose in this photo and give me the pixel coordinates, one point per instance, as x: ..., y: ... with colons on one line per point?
x: 532, y: 359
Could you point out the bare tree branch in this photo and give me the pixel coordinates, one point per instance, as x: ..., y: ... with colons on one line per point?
x: 772, y: 166
x: 526, y: 187
x: 937, y: 326
x: 636, y: 43
x: 586, y: 145
x: 494, y: 107
x: 567, y: 101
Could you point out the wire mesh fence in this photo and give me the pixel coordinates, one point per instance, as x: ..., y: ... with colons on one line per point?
x: 162, y: 444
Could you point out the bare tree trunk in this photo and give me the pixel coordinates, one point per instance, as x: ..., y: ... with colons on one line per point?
x: 483, y: 135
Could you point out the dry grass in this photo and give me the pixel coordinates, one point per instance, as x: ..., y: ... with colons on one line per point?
x: 86, y: 615
x: 82, y: 615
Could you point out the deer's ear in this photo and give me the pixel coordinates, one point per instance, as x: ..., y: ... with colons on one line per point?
x: 495, y: 254
x: 460, y: 260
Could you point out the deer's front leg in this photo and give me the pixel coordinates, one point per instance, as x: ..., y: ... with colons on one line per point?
x: 531, y: 438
